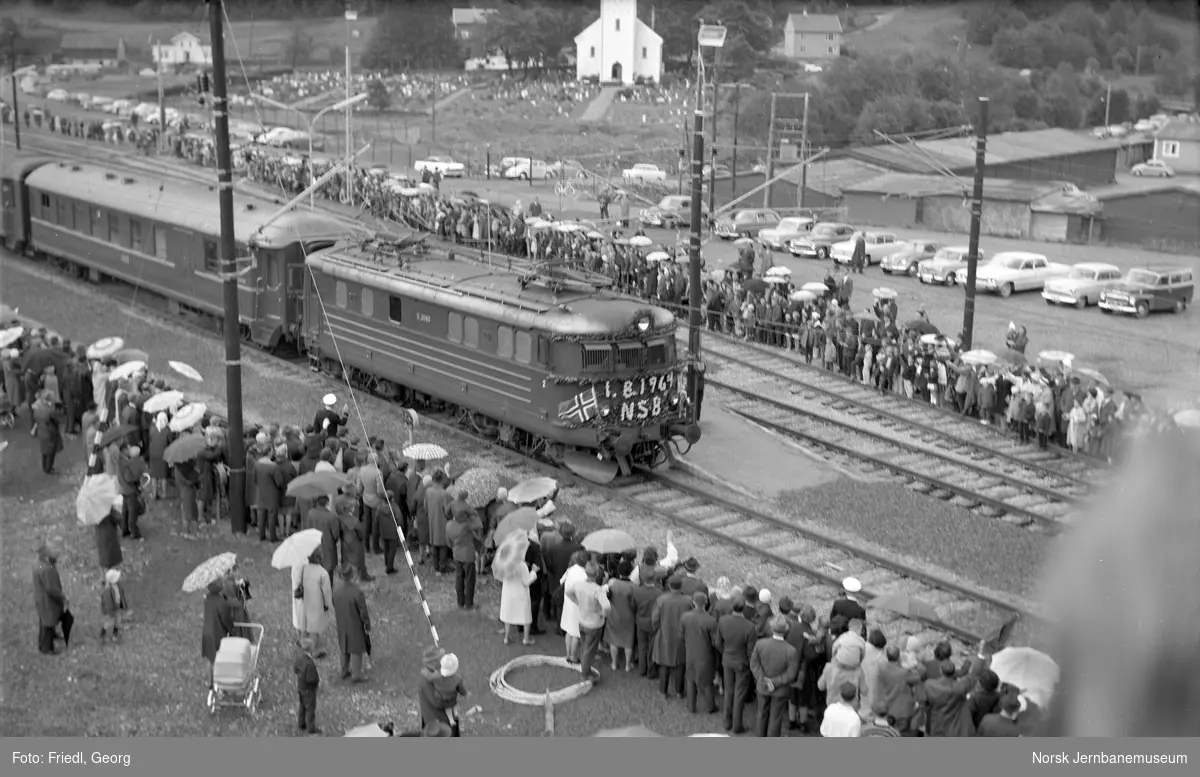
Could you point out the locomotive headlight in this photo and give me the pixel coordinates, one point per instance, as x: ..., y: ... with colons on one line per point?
x: 606, y: 411
x: 674, y: 399
x: 643, y: 324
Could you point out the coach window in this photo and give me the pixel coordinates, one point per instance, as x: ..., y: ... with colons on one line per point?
x: 98, y: 223
x: 66, y: 214
x: 368, y: 303
x: 524, y: 347
x: 160, y: 242
x: 82, y: 220
x: 45, y: 204
x: 212, y: 259
x: 135, y: 235
x: 454, y: 328
x: 395, y: 309
x: 114, y: 229
x: 471, y: 333
x: 504, y: 342
x: 340, y: 295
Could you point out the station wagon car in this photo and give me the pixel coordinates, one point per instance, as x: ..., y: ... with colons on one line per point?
x: 791, y: 228
x: 945, y: 265
x: 1148, y: 289
x: 819, y: 242
x: 1083, y: 287
x: 748, y: 222
x: 1012, y: 271
x: 879, y: 246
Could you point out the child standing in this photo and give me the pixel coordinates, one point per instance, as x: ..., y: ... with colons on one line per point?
x: 449, y: 686
x: 308, y: 679
x: 112, y: 603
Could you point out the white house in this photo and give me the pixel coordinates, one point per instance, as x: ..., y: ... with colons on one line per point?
x: 618, y: 47
x: 184, y: 49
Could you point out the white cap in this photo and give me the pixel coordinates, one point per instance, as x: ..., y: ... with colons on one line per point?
x: 112, y: 576
x: 501, y: 494
x: 330, y: 400
x: 851, y: 585
x: 449, y: 665
x: 764, y: 596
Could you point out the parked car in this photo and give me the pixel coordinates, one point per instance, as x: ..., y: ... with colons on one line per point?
x: 672, y: 211
x: 1153, y: 168
x: 1148, y: 289
x: 819, y: 242
x: 440, y: 164
x: 58, y: 95
x: 748, y: 222
x: 722, y: 171
x: 908, y: 259
x: 945, y: 266
x: 1083, y: 287
x: 570, y: 169
x: 1012, y: 271
x: 791, y: 228
x: 526, y: 169
x: 880, y: 245
x: 644, y: 172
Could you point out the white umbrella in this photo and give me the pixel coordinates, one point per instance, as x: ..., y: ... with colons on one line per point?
x: 188, y: 417
x: 166, y: 400
x: 1188, y: 419
x: 186, y: 370
x: 1026, y: 668
x: 371, y: 730
x: 744, y: 241
x: 425, y: 451
x: 640, y: 241
x: 11, y: 335
x: 979, y: 357
x: 213, y: 569
x: 95, y: 499
x: 883, y: 292
x: 295, y: 550
x: 658, y: 256
x: 569, y: 227
x: 105, y: 347
x: 1056, y: 356
x: 778, y: 280
x: 3, y: 445
x: 780, y: 270
x: 816, y: 287
x: 804, y: 295
x: 594, y: 235
x: 127, y: 370
x: 930, y: 339
x: 532, y: 490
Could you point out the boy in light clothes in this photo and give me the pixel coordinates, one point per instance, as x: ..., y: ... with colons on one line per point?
x: 112, y: 604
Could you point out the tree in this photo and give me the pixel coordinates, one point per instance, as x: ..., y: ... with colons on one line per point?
x: 987, y: 20
x: 893, y: 115
x: 1118, y: 18
x: 299, y: 44
x: 739, y: 18
x: 1174, y: 75
x: 1122, y: 61
x: 1146, y: 105
x: 533, y: 36
x: 1145, y: 31
x: 675, y: 23
x: 1081, y: 19
x: 1118, y: 111
x: 937, y: 78
x: 736, y: 59
x: 413, y: 35
x: 378, y: 96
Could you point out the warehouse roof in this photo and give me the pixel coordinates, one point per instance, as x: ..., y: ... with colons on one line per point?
x: 832, y: 176
x: 910, y: 185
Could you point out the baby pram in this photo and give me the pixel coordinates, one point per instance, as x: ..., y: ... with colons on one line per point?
x: 235, y: 672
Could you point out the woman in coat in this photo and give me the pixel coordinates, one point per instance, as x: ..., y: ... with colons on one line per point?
x: 187, y: 482
x: 432, y: 704
x: 108, y: 540
x: 218, y: 624
x: 569, y: 622
x: 310, y: 613
x: 619, y: 624
x: 49, y: 430
x: 160, y: 471
x: 515, y: 576
x: 421, y: 515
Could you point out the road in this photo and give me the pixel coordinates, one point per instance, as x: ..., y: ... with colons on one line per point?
x: 1158, y: 357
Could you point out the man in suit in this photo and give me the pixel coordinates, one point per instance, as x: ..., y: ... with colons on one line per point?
x: 48, y: 598
x: 947, y: 714
x: 1002, y: 723
x: 896, y: 686
x: 558, y: 561
x: 353, y: 625
x: 691, y: 582
x: 327, y: 419
x: 845, y: 290
x: 645, y: 594
x: 735, y: 638
x: 698, y: 629
x: 323, y: 520
x: 848, y: 606
x: 668, y: 644
x: 774, y: 664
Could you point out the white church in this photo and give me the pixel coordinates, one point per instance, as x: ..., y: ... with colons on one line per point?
x: 618, y: 47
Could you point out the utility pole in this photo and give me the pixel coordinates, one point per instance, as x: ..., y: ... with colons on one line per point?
x: 712, y: 143
x: 976, y: 218
x: 12, y: 49
x: 162, y: 100
x: 351, y: 15
x: 229, y: 274
x: 1107, y: 106
x: 770, y: 150
x: 737, y: 100
x: 803, y: 153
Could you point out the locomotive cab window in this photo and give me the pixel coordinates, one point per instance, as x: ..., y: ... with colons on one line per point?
x: 471, y: 333
x: 368, y: 303
x: 212, y: 259
x: 504, y: 342
x: 524, y: 347
x: 341, y: 296
x: 395, y: 309
x: 454, y: 327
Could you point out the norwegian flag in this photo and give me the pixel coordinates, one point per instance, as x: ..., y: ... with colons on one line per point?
x: 581, y: 409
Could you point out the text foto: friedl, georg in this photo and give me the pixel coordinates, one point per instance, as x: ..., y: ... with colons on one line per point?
x: 59, y: 758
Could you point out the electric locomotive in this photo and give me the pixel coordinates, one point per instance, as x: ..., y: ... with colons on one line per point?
x: 546, y: 361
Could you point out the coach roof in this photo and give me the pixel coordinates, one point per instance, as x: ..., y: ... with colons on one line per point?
x: 181, y: 204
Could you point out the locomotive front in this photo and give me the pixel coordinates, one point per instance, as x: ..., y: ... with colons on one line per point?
x: 622, y: 382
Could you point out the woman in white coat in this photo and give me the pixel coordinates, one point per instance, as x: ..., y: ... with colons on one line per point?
x: 570, y: 611
x: 310, y: 610
x: 515, y: 576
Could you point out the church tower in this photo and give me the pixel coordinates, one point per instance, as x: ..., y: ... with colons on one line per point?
x: 618, y: 26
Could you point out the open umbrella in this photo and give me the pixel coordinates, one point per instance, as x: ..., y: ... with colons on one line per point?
x: 1026, y: 668
x: 921, y: 327
x: 979, y: 357
x: 425, y: 451
x: 640, y: 241
x: 105, y: 347
x: 775, y: 280
x: 1056, y: 356
x: 883, y: 292
x: 816, y: 287
x: 522, y: 519
x: 1188, y: 419
x: 95, y: 498
x: 569, y: 227
x: 117, y: 433
x: 744, y: 241
x: 755, y: 285
x: 480, y: 484
x: 3, y: 445
x: 1090, y: 374
x: 778, y: 270
x: 164, y: 400
x: 184, y: 449
x: 802, y: 296
x: 903, y: 604
x: 37, y: 361
x: 371, y: 730
x: 608, y: 541
x: 213, y: 569
x: 188, y: 416
x: 532, y: 490
x: 509, y: 563
x: 11, y: 335
x: 316, y: 484
x: 130, y: 355
x: 187, y: 371
x: 8, y: 314
x: 127, y: 370
x: 658, y: 256
x: 628, y: 731
x: 295, y: 550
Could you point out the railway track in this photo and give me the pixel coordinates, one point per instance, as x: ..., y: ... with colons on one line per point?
x: 963, y: 613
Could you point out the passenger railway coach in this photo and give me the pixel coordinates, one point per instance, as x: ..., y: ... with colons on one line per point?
x: 164, y: 235
x: 555, y: 367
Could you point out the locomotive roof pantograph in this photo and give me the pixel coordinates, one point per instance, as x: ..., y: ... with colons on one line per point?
x: 571, y: 309
x: 182, y: 204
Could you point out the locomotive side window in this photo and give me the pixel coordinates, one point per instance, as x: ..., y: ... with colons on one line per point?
x: 631, y: 356
x: 114, y: 229
x: 82, y: 222
x: 395, y: 308
x: 524, y: 347
x: 160, y: 242
x: 597, y: 357
x: 504, y: 342
x: 98, y: 223
x: 454, y: 331
x: 135, y: 235
x: 340, y: 295
x: 368, y: 303
x: 66, y: 214
x: 212, y: 260
x: 658, y: 353
x: 471, y: 333
x: 45, y: 201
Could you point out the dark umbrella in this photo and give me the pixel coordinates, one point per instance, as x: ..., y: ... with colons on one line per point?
x: 117, y: 433
x: 37, y: 361
x: 755, y: 285
x: 921, y: 327
x: 186, y: 448
x: 67, y: 622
